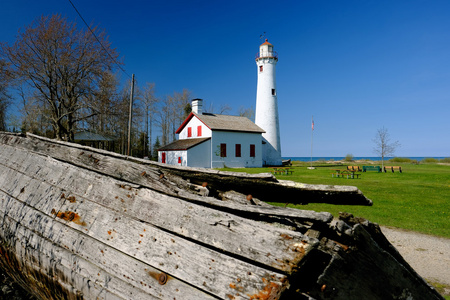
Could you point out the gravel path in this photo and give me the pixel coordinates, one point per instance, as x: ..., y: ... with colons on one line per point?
x: 428, y: 255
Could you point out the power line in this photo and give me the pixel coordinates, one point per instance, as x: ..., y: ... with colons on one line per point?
x: 98, y: 40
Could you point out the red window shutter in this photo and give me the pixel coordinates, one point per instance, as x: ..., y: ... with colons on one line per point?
x: 189, y: 131
x: 238, y: 150
x: 179, y: 159
x: 223, y: 150
x: 163, y: 157
x: 252, y: 150
x: 199, y: 131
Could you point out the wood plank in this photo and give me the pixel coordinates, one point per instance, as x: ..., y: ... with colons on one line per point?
x: 190, y: 262
x: 92, y: 213
x: 252, y: 240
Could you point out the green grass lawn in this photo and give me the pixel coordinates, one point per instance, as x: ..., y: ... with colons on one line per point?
x: 417, y: 199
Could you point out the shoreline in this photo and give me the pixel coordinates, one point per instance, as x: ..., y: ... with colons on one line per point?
x: 363, y: 158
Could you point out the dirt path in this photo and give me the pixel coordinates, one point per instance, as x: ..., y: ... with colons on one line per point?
x: 428, y: 255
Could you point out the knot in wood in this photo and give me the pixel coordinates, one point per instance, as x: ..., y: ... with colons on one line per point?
x: 162, y: 279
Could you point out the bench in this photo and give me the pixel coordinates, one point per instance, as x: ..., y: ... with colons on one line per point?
x: 392, y: 168
x: 371, y: 168
x: 354, y: 168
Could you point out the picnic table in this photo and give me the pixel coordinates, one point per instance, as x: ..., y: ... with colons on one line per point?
x: 345, y: 173
x: 281, y: 170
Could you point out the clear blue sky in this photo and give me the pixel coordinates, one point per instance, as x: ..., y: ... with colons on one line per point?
x: 356, y: 66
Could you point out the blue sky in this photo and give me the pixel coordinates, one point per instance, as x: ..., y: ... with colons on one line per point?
x: 356, y: 66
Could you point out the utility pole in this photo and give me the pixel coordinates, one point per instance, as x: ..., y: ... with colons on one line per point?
x: 130, y: 115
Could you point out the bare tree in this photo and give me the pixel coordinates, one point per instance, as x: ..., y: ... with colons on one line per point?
x: 100, y: 105
x: 63, y: 64
x: 247, y: 112
x: 35, y: 113
x: 121, y: 114
x: 224, y: 108
x: 163, y: 119
x: 383, y: 145
x: 171, y: 114
x: 149, y: 101
x: 5, y: 80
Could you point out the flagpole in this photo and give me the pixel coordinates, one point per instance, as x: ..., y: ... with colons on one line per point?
x: 312, y: 130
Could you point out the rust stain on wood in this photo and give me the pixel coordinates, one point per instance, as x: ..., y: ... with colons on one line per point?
x: 345, y: 247
x: 270, y: 291
x: 286, y: 236
x: 69, y: 216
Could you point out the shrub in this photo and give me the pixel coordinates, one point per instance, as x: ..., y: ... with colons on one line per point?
x: 445, y: 160
x: 429, y: 160
x: 401, y: 160
x: 349, y: 157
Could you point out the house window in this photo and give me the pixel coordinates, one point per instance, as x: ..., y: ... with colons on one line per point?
x: 179, y: 159
x: 238, y: 150
x: 273, y: 92
x: 199, y: 131
x: 189, y: 131
x: 223, y: 150
x: 260, y: 68
x: 163, y: 157
x: 252, y: 150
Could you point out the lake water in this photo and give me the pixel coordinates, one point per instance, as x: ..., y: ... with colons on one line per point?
x: 374, y: 158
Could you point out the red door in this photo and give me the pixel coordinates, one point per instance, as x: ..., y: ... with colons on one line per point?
x: 163, y: 157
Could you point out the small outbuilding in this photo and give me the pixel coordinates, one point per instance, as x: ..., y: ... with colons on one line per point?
x: 95, y: 140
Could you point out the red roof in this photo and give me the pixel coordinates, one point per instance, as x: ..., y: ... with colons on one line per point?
x: 266, y: 43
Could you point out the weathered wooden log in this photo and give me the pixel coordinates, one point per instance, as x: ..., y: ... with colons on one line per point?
x: 150, y: 174
x: 81, y: 223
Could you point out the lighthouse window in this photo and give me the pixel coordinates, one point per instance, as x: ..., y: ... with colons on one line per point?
x: 260, y: 68
x: 273, y: 92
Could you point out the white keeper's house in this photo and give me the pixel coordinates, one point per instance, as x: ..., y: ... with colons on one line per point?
x: 214, y: 141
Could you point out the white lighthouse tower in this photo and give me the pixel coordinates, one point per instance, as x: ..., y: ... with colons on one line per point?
x: 266, y: 115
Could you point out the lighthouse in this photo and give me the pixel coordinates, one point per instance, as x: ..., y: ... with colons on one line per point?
x: 266, y: 115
